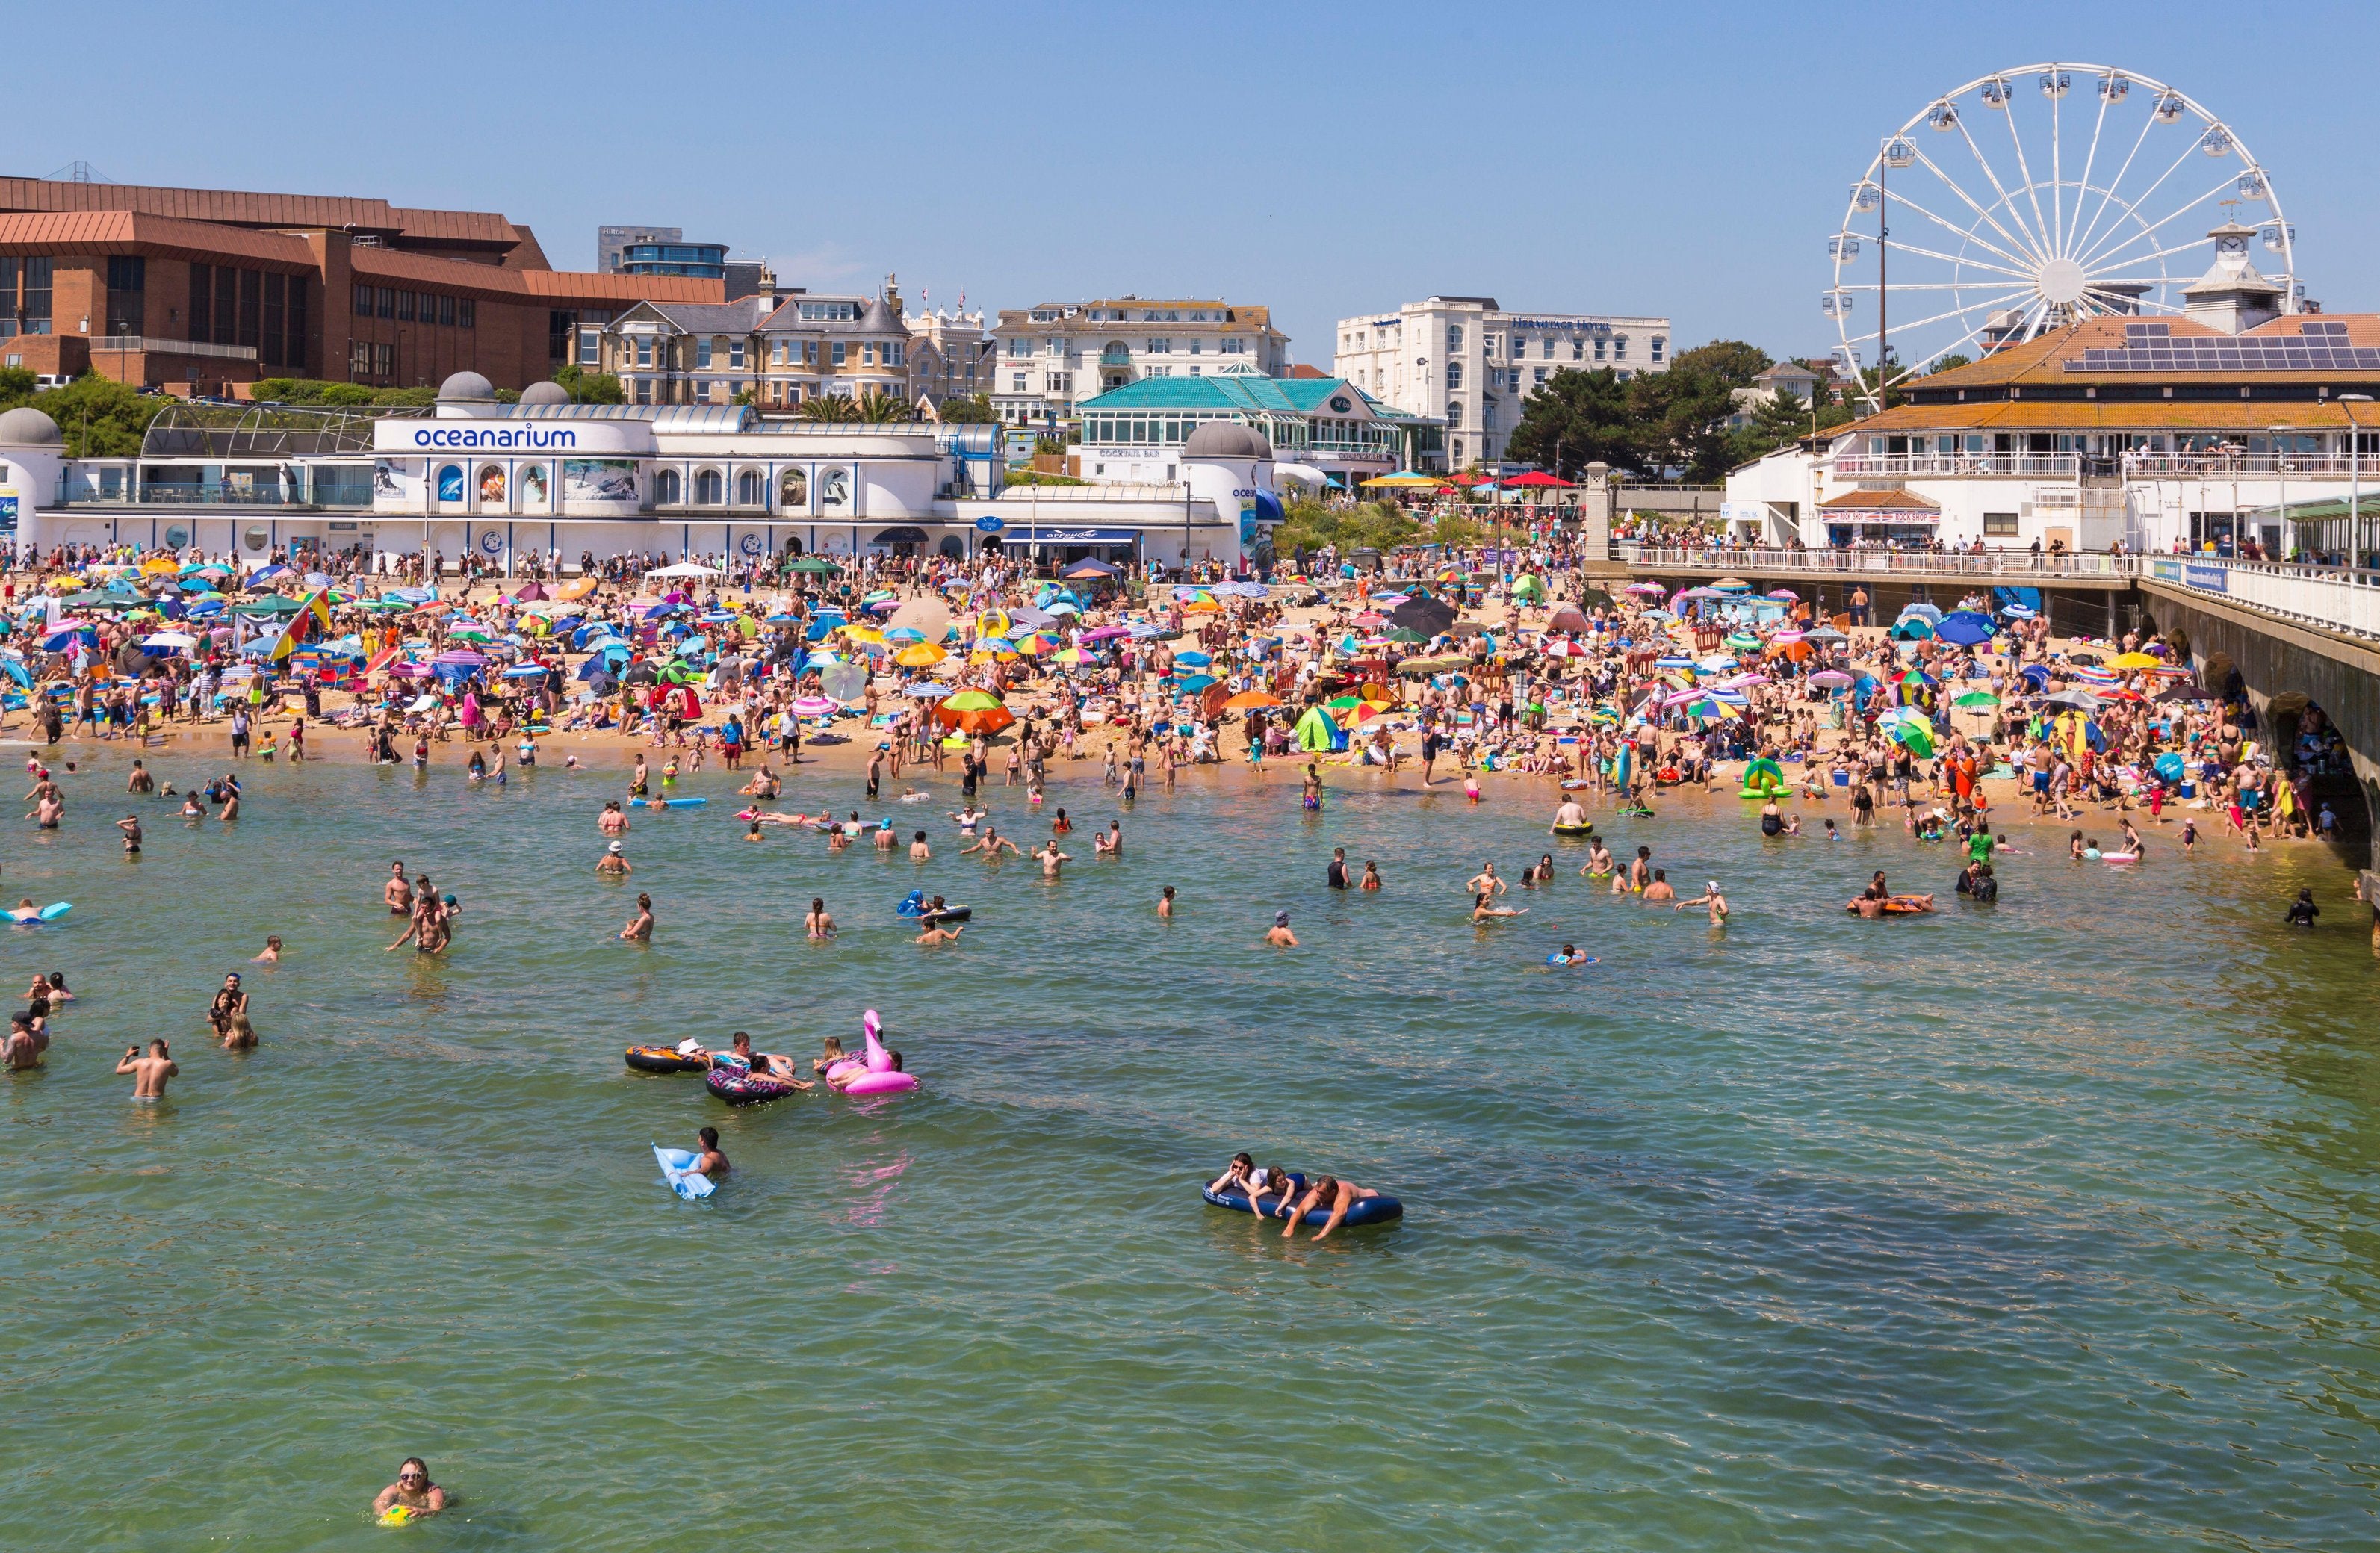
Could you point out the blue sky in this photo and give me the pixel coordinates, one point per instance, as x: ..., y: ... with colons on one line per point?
x: 1678, y: 159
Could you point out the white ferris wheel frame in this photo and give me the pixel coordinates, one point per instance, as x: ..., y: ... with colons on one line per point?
x: 2058, y: 249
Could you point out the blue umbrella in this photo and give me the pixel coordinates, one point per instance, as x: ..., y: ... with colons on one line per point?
x: 1196, y: 659
x: 1966, y: 629
x: 1197, y: 683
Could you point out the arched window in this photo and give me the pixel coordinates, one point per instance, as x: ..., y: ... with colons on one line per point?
x: 709, y: 490
x: 751, y: 489
x: 793, y: 491
x: 667, y: 491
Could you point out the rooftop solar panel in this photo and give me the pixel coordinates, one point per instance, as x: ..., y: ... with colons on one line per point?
x: 2324, y: 352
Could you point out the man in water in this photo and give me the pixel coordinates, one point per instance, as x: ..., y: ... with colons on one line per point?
x: 2302, y: 911
x: 150, y: 1072
x: 1279, y: 935
x: 1659, y: 888
x: 936, y: 933
x: 1570, y: 816
x: 398, y: 891
x: 1052, y: 859
x: 1335, y: 875
x: 23, y: 1048
x: 708, y: 1160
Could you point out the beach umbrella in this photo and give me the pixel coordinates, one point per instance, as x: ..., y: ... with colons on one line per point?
x: 1825, y: 635
x: 1426, y: 615
x: 919, y: 655
x: 1966, y: 629
x: 1194, y: 683
x: 2135, y: 661
x: 169, y: 641
x: 1922, y: 611
x: 974, y: 711
x: 844, y: 682
x: 1569, y: 617
x: 1249, y: 700
x: 816, y: 706
x: 1917, y: 737
x: 2172, y: 694
x: 1976, y: 699
x: 1831, y: 679
x: 1744, y: 641
x: 1196, y: 659
x: 1647, y: 589
x: 815, y: 566
x: 2081, y: 700
x: 1784, y: 595
x: 1733, y: 584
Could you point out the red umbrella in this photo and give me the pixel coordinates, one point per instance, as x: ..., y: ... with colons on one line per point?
x: 1538, y: 478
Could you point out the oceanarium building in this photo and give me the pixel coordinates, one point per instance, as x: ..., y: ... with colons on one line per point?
x: 551, y: 478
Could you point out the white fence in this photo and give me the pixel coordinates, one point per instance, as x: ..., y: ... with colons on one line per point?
x: 2345, y: 599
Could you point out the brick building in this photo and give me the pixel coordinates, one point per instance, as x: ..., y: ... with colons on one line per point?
x: 199, y: 288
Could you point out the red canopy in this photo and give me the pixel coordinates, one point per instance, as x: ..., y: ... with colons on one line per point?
x: 1538, y: 478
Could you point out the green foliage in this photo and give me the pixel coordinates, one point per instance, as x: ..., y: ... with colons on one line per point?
x: 1950, y: 362
x: 972, y: 411
x: 834, y: 408
x: 1375, y: 524
x: 589, y: 388
x: 101, y: 418
x: 1732, y: 361
x: 315, y: 391
x: 17, y: 384
x: 1041, y: 477
x: 877, y: 408
x: 1649, y: 426
x: 1048, y: 444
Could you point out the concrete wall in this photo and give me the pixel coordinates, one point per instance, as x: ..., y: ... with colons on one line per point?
x: 2274, y: 658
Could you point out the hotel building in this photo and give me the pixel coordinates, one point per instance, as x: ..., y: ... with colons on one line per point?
x: 1052, y: 357
x: 1466, y: 361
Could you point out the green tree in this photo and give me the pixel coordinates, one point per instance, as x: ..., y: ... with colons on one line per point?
x: 1732, y: 361
x: 973, y: 410
x: 16, y: 386
x: 1948, y: 362
x: 831, y: 407
x: 101, y: 418
x: 1588, y: 414
x: 879, y: 408
x: 589, y: 388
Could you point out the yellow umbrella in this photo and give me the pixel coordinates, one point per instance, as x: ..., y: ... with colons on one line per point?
x: 982, y: 655
x: 919, y: 655
x: 1401, y: 479
x: 160, y: 566
x: 2135, y: 661
x: 866, y: 634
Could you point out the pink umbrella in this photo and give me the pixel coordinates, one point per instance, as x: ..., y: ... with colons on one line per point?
x: 814, y: 706
x: 1103, y: 633
x: 408, y: 671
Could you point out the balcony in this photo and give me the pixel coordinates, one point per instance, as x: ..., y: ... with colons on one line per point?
x: 1115, y: 359
x: 1958, y: 466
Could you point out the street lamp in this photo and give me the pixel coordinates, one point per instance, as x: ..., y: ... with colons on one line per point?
x: 2355, y: 478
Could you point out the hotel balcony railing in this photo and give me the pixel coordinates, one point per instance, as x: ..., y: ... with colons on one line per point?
x: 1115, y: 359
x: 2020, y: 564
x: 2250, y: 466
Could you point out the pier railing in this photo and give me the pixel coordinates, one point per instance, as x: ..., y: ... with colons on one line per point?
x: 2340, y: 599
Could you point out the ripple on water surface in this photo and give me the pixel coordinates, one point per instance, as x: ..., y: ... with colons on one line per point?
x: 2052, y: 1221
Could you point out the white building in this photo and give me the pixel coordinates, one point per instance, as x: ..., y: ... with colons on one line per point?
x: 1055, y: 356
x: 1467, y: 360
x: 2237, y: 421
x: 473, y: 476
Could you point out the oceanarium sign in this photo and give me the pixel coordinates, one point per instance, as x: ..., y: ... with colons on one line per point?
x: 532, y: 437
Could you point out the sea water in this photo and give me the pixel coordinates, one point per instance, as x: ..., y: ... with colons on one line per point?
x: 2046, y: 1224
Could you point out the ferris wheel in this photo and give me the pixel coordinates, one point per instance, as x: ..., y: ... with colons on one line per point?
x: 1986, y: 219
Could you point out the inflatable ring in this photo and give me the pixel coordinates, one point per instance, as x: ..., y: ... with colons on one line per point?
x: 1361, y: 1211
x: 1569, y: 959
x: 1898, y: 906
x: 663, y: 1060
x: 880, y: 1083
x: 740, y: 1086
x: 1585, y: 830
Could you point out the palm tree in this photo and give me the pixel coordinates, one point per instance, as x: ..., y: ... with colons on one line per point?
x: 877, y: 406
x: 830, y: 408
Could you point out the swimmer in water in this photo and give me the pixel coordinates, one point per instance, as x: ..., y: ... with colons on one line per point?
x: 937, y: 934
x: 1569, y: 955
x: 830, y: 1053
x: 1599, y: 861
x: 1709, y: 897
x: 1569, y: 817
x: 272, y: 955
x: 1371, y: 876
x: 412, y: 1492
x: 1279, y: 935
x: 1485, y: 882
x: 1541, y: 872
x: 1052, y: 859
x: 918, y: 851
x: 708, y: 1160
x: 150, y: 1072
x: 398, y: 891
x: 1330, y: 1193
x: 613, y: 863
x: 989, y: 844
x: 641, y: 926
x: 1483, y: 907
x: 1165, y: 905
x: 1109, y: 843
x: 1659, y: 888
x: 818, y: 924
x: 613, y: 820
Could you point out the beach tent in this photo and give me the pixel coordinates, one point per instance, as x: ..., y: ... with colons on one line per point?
x: 1317, y: 731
